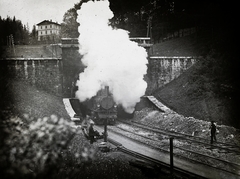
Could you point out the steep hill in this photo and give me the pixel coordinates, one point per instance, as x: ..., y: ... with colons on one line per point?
x: 208, y: 90
x: 192, y: 45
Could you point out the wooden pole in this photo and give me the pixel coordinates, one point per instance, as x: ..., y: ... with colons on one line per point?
x: 171, y: 154
x: 105, y: 130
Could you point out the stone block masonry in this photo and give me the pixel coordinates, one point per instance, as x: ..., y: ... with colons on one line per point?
x: 162, y: 70
x: 44, y: 73
x: 57, y: 76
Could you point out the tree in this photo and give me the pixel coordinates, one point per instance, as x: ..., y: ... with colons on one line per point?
x: 25, y: 35
x: 13, y: 27
x: 167, y: 16
x: 124, y: 13
x: 69, y: 27
x: 33, y: 35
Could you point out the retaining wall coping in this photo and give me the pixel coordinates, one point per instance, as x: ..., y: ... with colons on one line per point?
x: 170, y: 57
x: 28, y: 59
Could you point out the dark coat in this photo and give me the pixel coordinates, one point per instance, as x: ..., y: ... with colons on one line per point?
x: 213, y: 128
x: 91, y: 131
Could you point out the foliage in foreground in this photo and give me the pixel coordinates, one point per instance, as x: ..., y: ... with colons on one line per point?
x: 36, y: 148
x: 52, y: 147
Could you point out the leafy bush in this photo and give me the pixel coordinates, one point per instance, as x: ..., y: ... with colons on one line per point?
x: 35, y: 147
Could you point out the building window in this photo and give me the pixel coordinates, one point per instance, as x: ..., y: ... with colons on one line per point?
x: 50, y: 26
x: 45, y: 27
x: 45, y: 32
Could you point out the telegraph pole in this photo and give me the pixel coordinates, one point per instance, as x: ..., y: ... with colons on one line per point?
x: 106, y: 103
x: 105, y: 129
x: 171, y: 155
x: 10, y: 42
x: 149, y: 27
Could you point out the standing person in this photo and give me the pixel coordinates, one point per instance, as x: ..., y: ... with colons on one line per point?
x: 85, y: 126
x: 91, y: 132
x: 85, y: 122
x: 213, y: 132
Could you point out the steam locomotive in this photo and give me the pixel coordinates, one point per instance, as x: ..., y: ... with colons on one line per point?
x: 100, y: 108
x: 103, y: 108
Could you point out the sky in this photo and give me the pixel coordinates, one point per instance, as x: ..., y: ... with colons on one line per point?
x: 35, y: 11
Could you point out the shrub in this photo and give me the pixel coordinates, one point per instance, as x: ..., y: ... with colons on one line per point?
x: 35, y: 147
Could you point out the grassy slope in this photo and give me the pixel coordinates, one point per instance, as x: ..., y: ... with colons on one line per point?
x: 22, y: 98
x: 208, y: 90
x: 192, y: 45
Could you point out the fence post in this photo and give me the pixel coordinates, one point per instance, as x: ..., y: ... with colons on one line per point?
x: 171, y: 154
x: 105, y: 129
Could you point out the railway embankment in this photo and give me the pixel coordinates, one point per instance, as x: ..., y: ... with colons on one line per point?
x: 172, y: 121
x: 20, y: 100
x: 209, y: 89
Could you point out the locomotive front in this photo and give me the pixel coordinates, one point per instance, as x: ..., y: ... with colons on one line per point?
x: 104, y: 107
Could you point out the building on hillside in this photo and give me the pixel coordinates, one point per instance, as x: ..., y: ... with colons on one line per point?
x: 48, y: 31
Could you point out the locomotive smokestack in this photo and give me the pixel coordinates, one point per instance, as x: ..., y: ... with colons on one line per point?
x: 107, y: 89
x: 111, y: 59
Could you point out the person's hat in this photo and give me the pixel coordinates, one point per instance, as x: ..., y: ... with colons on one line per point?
x: 91, y: 122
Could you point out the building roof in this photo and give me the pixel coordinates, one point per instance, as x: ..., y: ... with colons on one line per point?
x: 47, y: 22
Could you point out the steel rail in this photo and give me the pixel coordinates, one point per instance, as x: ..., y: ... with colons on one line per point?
x: 123, y: 149
x: 190, y: 136
x: 177, y: 170
x: 207, y: 156
x: 178, y: 155
x: 236, y: 166
x: 181, y: 136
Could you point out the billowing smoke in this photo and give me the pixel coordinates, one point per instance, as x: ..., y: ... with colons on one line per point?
x: 111, y: 59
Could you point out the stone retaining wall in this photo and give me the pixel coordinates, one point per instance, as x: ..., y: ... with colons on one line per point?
x: 59, y: 75
x: 44, y: 73
x: 162, y: 70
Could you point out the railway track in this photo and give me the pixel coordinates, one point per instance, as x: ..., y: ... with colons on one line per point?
x: 180, y: 151
x: 158, y: 140
x: 222, y: 147
x: 159, y: 165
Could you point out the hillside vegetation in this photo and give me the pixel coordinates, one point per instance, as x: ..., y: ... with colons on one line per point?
x: 191, y: 45
x: 208, y: 90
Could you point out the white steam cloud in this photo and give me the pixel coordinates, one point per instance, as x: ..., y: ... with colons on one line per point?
x: 111, y: 59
